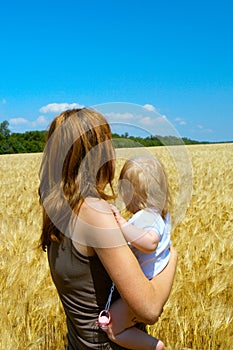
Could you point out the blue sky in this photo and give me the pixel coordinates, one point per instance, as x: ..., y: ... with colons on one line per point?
x: 174, y: 57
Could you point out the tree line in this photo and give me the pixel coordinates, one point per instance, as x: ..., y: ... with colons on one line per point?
x: 34, y: 141
x: 27, y: 142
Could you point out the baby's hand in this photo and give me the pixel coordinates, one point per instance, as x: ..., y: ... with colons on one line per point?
x: 121, y: 221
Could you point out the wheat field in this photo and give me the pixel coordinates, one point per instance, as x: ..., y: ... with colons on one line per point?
x: 199, y: 312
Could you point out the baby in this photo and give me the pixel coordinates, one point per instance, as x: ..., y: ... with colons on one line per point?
x: 143, y: 186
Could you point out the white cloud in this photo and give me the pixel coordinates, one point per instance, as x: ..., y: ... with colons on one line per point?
x: 4, y: 101
x: 163, y: 117
x: 113, y: 116
x: 146, y: 121
x: 203, y: 129
x: 138, y: 120
x: 22, y: 124
x: 156, y: 122
x: 59, y: 107
x: 149, y: 107
x: 40, y: 121
x: 180, y: 121
x: 18, y: 121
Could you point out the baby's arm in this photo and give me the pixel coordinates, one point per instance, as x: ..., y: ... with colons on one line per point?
x: 142, y: 239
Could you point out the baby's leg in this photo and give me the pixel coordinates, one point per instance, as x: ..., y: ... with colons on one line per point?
x: 124, y: 334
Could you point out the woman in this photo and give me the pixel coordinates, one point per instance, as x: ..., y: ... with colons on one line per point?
x: 86, y: 248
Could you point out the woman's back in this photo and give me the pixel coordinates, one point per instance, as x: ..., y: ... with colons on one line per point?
x: 83, y: 286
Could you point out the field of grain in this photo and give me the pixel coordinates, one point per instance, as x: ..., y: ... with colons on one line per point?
x: 199, y: 313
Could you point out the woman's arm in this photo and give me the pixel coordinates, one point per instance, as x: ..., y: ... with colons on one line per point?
x: 145, y: 298
x: 163, y: 282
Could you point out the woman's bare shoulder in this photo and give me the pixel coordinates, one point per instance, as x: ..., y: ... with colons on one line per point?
x: 97, y: 211
x: 95, y: 208
x: 97, y: 225
x: 91, y: 203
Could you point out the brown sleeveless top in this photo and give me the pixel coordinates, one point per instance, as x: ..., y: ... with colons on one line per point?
x: 83, y: 286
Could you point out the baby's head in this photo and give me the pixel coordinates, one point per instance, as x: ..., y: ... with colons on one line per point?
x: 143, y: 184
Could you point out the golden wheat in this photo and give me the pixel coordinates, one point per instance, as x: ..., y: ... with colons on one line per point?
x: 199, y: 313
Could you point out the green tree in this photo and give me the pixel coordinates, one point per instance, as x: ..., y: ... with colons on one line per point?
x: 4, y: 129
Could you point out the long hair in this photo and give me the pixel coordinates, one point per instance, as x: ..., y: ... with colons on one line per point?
x: 143, y: 184
x: 78, y: 161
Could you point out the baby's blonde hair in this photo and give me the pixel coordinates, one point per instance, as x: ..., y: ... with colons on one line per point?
x: 143, y: 184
